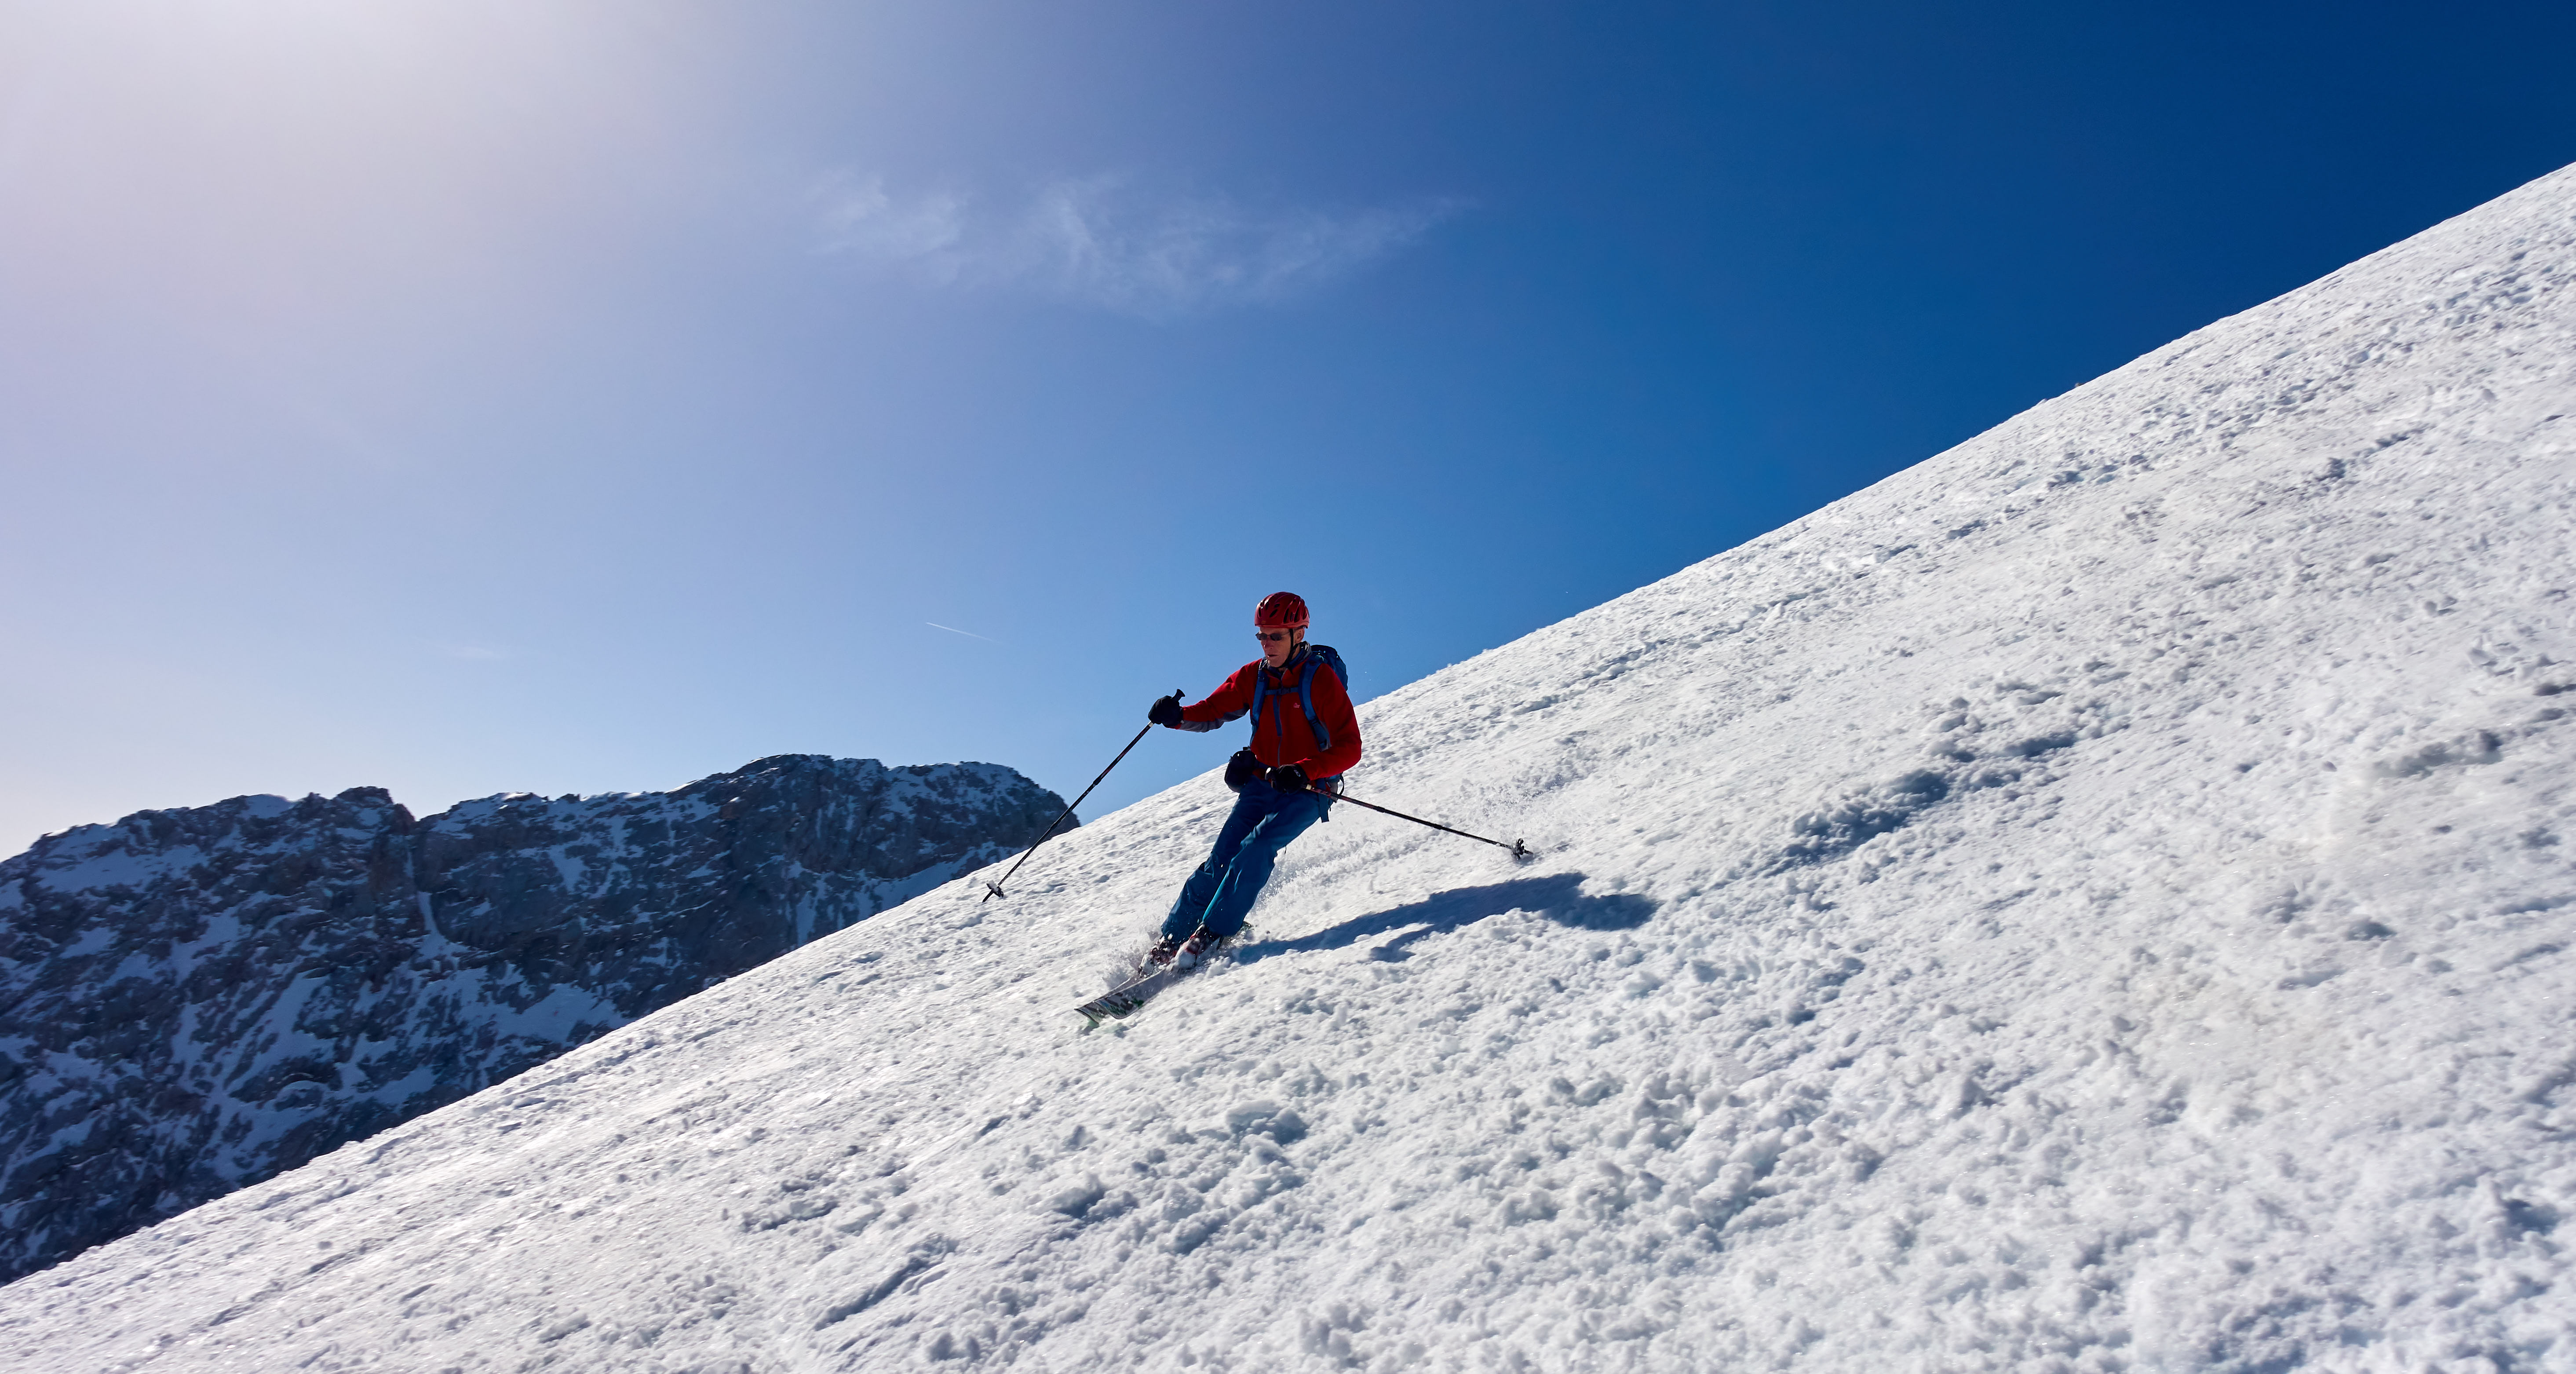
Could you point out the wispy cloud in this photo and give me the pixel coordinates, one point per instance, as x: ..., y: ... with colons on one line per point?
x: 1110, y: 243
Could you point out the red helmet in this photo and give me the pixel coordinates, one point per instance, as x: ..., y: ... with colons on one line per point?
x: 1280, y: 611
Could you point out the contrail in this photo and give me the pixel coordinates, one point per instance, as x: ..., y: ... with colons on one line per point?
x: 970, y: 634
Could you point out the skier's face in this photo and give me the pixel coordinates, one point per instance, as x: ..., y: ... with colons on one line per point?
x: 1275, y: 644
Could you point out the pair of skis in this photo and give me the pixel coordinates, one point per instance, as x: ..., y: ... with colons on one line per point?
x: 1121, y: 1001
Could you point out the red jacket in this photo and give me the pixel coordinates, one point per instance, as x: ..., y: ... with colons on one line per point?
x: 1280, y: 737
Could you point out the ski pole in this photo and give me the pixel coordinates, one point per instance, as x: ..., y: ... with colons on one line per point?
x: 993, y: 890
x: 1519, y: 851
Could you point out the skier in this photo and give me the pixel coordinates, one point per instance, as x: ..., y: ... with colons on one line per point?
x: 1304, y: 737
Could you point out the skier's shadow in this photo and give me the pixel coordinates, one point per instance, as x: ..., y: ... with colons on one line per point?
x: 1558, y: 896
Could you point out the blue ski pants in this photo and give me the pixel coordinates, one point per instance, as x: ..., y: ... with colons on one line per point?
x: 1220, y: 893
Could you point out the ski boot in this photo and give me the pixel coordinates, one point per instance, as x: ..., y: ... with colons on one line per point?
x: 1201, y: 944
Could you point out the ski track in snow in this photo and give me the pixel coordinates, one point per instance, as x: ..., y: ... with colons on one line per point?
x: 2100, y: 899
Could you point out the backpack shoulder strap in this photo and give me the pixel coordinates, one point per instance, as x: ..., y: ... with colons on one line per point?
x: 1316, y: 657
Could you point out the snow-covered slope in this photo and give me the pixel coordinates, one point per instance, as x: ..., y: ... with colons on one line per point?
x: 2100, y: 899
x: 199, y: 998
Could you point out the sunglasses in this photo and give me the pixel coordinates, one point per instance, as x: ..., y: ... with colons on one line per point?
x: 1270, y: 636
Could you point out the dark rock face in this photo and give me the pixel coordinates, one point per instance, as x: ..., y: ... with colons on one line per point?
x: 194, y: 1000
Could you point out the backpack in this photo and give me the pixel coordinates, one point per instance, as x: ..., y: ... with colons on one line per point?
x: 1243, y: 767
x: 1317, y: 655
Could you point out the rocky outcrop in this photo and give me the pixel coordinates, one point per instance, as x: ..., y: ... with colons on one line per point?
x: 192, y: 1000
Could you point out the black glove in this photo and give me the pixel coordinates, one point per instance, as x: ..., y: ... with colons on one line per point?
x: 1241, y: 769
x: 1166, y: 710
x: 1289, y: 778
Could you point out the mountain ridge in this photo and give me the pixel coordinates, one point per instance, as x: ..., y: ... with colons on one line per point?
x: 196, y: 998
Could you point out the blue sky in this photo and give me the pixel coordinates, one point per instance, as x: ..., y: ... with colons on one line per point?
x: 470, y: 396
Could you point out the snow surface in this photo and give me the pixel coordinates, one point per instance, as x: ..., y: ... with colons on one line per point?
x: 2100, y: 899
